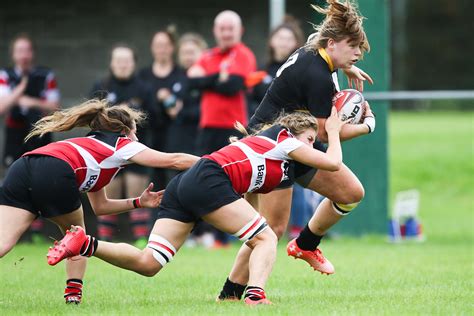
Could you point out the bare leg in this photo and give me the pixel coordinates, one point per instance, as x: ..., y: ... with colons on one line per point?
x: 13, y: 223
x: 341, y: 187
x: 126, y: 256
x: 231, y: 218
x: 275, y: 207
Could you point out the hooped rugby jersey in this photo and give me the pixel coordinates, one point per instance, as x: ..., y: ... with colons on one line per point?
x: 95, y: 159
x: 258, y: 163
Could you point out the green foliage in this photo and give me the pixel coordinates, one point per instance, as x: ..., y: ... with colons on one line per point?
x: 431, y: 152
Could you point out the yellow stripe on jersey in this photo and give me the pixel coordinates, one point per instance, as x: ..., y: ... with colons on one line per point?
x: 326, y: 58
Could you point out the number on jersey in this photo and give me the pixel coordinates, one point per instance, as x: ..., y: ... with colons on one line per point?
x: 287, y: 64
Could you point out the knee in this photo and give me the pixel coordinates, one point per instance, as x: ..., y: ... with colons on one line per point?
x: 266, y: 237
x: 278, y: 230
x: 148, y: 266
x: 354, y: 194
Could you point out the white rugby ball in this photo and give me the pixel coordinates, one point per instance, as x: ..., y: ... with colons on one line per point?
x: 350, y: 105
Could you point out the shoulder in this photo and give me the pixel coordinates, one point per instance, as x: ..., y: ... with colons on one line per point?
x: 41, y: 71
x: 244, y: 50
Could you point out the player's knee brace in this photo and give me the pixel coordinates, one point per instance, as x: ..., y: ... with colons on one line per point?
x: 163, y: 250
x: 257, y: 225
x: 344, y: 209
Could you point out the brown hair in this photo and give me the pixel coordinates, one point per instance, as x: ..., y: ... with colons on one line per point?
x: 171, y: 32
x: 296, y: 123
x: 342, y: 21
x: 194, y: 38
x: 96, y: 114
x: 22, y: 36
x: 291, y: 24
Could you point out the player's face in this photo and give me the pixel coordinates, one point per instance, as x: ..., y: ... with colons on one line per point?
x: 122, y: 63
x: 283, y: 43
x: 227, y: 33
x: 344, y: 54
x: 162, y: 48
x: 308, y: 137
x: 22, y: 53
x: 188, y: 54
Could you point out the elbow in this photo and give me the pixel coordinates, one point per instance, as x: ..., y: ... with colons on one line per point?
x: 335, y: 166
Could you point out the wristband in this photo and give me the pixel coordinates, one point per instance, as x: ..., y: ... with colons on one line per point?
x: 370, y: 122
x: 136, y: 203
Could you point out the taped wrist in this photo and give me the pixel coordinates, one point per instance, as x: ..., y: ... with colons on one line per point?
x: 370, y: 122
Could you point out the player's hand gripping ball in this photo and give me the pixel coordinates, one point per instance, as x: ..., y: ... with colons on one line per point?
x: 350, y: 105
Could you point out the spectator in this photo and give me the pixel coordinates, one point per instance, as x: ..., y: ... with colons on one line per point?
x: 27, y: 93
x: 162, y: 75
x: 282, y: 42
x: 186, y: 114
x: 122, y: 86
x: 220, y: 73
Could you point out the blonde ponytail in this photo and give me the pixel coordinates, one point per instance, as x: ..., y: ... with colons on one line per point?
x: 95, y: 114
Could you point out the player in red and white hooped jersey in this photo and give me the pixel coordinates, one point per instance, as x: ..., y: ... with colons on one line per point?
x: 212, y: 190
x: 47, y: 181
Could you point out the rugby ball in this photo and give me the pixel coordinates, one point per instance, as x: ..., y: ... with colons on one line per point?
x: 350, y: 105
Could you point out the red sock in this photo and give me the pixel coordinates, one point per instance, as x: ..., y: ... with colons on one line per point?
x: 73, y: 291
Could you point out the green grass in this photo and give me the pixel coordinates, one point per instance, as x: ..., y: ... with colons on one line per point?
x: 429, y: 151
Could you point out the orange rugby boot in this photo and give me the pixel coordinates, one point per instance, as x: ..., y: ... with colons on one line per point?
x: 315, y: 258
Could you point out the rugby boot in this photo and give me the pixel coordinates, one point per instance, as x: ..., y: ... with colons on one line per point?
x: 67, y: 247
x: 315, y: 258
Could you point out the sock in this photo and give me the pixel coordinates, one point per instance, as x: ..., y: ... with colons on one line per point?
x: 73, y: 290
x: 89, y: 247
x: 255, y: 293
x: 232, y: 289
x: 307, y: 240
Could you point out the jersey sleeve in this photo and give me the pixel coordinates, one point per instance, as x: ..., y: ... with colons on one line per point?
x: 288, y: 145
x: 128, y: 148
x: 318, y: 92
x: 51, y: 92
x: 4, y: 87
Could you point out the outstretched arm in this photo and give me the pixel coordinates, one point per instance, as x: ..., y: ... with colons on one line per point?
x: 157, y: 159
x: 102, y: 205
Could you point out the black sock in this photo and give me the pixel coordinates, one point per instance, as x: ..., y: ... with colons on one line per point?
x: 232, y: 289
x: 307, y: 240
x: 255, y: 293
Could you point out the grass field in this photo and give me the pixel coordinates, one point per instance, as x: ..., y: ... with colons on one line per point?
x: 430, y: 151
